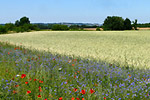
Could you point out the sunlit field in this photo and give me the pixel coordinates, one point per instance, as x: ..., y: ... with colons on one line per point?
x: 129, y: 48
x: 75, y: 66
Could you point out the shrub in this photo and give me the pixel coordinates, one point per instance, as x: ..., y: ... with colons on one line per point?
x: 3, y: 29
x: 9, y: 26
x: 97, y: 29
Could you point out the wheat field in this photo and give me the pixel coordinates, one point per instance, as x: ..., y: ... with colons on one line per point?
x: 120, y: 47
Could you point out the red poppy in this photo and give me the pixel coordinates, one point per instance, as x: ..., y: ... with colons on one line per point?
x: 26, y: 82
x: 60, y: 98
x: 77, y: 98
x: 82, y: 98
x: 34, y: 79
x: 32, y: 58
x: 28, y: 92
x: 74, y: 76
x: 92, y: 91
x: 23, y: 75
x: 72, y: 98
x: 40, y: 81
x: 45, y: 99
x: 75, y: 89
x: 104, y: 97
x: 96, y: 84
x: 30, y: 79
x: 72, y: 64
x: 14, y: 91
x: 75, y: 73
x: 83, y: 92
x: 129, y: 75
x: 40, y: 89
x: 8, y: 53
x: 39, y: 96
x: 75, y: 60
x: 16, y: 85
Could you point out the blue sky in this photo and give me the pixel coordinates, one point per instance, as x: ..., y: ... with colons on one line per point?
x: 87, y: 11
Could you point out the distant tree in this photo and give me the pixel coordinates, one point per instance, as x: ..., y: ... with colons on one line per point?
x: 74, y: 27
x: 113, y: 23
x: 22, y: 21
x: 3, y: 29
x: 59, y: 27
x: 56, y: 27
x: 135, y: 24
x: 97, y: 29
x: 64, y: 27
x: 127, y: 24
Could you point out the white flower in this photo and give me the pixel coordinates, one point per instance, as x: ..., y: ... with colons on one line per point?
x: 60, y: 69
x: 17, y: 75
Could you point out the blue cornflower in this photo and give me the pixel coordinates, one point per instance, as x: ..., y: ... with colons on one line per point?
x: 62, y: 83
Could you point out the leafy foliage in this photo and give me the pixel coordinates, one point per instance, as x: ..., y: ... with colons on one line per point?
x: 135, y: 24
x: 3, y: 29
x: 97, y: 29
x: 127, y: 24
x: 22, y: 21
x: 74, y: 27
x: 60, y: 27
x: 113, y: 23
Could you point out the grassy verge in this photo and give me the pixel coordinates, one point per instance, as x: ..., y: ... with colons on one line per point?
x: 33, y: 75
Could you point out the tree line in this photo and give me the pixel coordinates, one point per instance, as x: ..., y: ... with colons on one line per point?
x: 110, y: 23
x: 22, y: 25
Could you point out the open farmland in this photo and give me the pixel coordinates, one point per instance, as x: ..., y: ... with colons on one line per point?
x: 32, y: 75
x: 122, y: 47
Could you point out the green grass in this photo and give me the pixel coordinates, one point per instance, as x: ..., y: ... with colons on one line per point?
x: 122, y: 47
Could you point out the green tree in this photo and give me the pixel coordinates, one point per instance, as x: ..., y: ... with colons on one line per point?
x: 113, y: 23
x: 135, y: 24
x: 22, y: 21
x: 127, y: 24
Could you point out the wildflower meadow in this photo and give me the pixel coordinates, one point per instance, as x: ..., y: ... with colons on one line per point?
x: 31, y: 74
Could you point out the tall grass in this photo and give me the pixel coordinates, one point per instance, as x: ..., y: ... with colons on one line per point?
x: 34, y: 75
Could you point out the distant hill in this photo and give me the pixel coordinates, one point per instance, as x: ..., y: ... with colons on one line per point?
x: 69, y: 24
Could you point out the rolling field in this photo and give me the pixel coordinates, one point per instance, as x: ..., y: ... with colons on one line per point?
x: 120, y: 47
x: 29, y: 74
